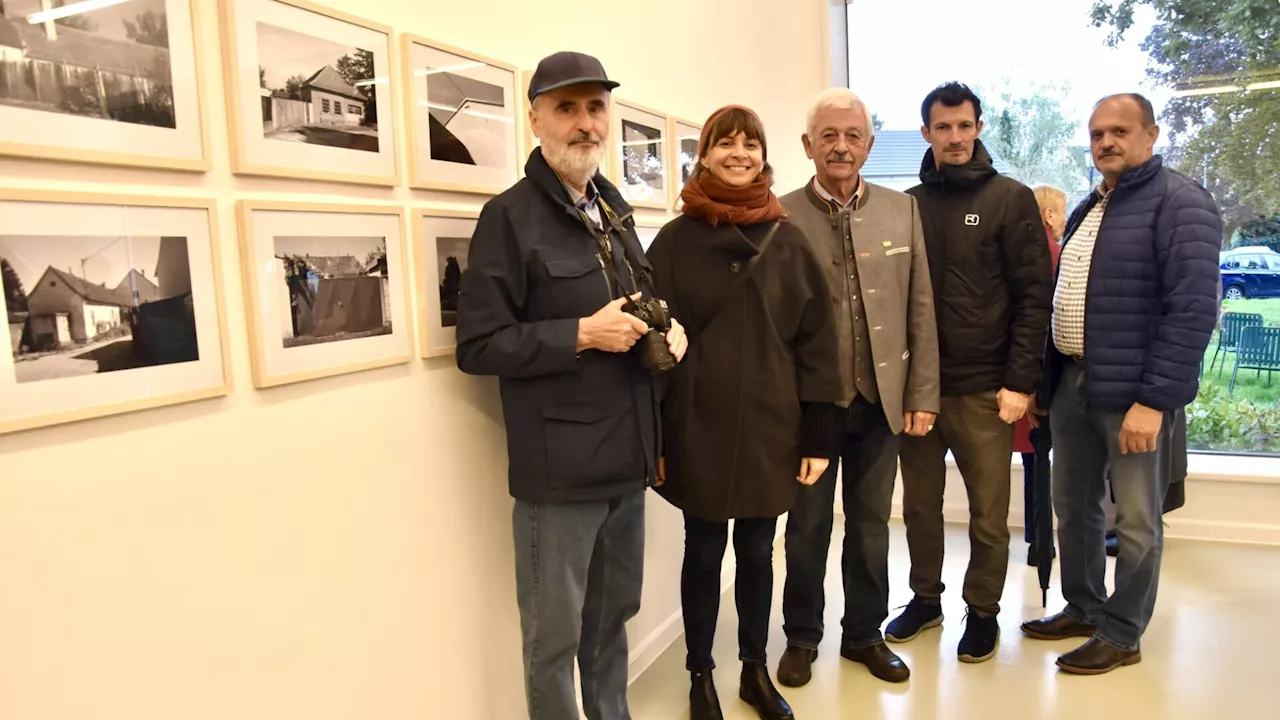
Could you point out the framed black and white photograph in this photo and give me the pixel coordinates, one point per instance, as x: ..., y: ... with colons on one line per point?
x: 639, y: 166
x: 684, y: 154
x: 310, y: 92
x: 327, y: 289
x: 442, y: 240
x: 462, y: 114
x: 102, y: 81
x: 113, y: 304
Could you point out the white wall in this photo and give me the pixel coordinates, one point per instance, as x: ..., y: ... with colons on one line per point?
x: 338, y: 549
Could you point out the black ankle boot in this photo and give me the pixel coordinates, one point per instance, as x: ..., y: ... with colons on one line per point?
x: 704, y: 703
x: 758, y: 691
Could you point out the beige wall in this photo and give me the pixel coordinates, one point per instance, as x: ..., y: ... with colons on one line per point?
x: 337, y: 549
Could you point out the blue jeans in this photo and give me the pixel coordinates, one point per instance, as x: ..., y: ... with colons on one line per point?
x: 869, y: 450
x: 578, y: 572
x: 1085, y: 443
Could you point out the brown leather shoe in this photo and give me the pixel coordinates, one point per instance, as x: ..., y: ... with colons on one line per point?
x: 1057, y: 627
x: 881, y: 661
x: 1096, y: 657
x: 794, y: 669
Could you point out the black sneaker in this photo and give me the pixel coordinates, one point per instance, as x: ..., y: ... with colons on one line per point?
x: 981, y: 636
x: 919, y: 616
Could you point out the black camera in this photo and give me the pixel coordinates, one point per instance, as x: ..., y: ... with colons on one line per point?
x: 655, y: 356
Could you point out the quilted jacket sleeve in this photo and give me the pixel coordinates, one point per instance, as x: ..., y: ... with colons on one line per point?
x: 1188, y: 239
x: 1030, y: 279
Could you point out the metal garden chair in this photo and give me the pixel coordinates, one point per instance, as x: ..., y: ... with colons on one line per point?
x: 1259, y: 349
x: 1229, y: 338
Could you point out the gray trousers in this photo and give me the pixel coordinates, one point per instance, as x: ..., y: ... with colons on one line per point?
x: 579, y: 567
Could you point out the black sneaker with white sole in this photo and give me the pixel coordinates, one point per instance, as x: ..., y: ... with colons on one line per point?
x: 919, y: 616
x: 981, y: 636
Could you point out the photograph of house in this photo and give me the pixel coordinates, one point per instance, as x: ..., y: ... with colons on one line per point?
x: 335, y: 289
x: 451, y: 254
x: 75, y: 321
x: 642, y: 166
x: 316, y: 91
x: 468, y: 120
x: 107, y: 62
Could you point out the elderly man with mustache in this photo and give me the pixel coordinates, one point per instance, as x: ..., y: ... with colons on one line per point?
x: 869, y: 240
x: 553, y: 264
x: 1134, y: 306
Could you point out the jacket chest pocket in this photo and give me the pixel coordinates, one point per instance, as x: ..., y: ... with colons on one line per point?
x: 576, y: 286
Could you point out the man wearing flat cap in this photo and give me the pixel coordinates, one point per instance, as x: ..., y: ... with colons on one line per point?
x: 554, y: 268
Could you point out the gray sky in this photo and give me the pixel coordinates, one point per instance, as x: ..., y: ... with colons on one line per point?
x: 899, y: 52
x: 110, y: 20
x: 285, y: 53
x: 357, y: 247
x: 31, y: 254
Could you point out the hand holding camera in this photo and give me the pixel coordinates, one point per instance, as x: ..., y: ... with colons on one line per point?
x: 611, y: 329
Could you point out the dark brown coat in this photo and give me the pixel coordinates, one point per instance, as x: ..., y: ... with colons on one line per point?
x: 732, y: 411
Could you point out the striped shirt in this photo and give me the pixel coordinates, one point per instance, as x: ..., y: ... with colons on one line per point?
x: 1070, y: 296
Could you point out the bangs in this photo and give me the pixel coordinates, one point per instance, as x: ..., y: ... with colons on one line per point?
x: 730, y: 123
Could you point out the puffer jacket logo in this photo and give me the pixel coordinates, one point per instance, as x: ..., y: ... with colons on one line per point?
x: 971, y: 220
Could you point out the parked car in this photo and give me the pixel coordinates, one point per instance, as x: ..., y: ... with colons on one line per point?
x: 1250, y: 272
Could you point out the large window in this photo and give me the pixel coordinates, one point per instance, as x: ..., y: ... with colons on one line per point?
x: 1212, y: 70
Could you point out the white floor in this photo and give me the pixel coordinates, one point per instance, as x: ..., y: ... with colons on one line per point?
x: 1210, y: 652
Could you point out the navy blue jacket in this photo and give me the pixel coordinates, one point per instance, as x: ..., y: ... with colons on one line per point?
x: 1152, y: 292
x: 580, y: 426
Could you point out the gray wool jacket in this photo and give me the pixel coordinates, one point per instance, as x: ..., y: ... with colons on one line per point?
x: 883, y: 239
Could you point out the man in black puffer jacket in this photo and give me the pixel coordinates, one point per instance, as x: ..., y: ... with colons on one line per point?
x: 992, y: 279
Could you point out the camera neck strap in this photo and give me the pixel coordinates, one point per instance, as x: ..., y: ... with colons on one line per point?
x: 617, y: 226
x: 739, y: 280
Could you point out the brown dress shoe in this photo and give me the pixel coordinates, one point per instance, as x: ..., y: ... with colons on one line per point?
x: 881, y: 661
x: 794, y: 669
x: 1057, y: 627
x: 1096, y: 657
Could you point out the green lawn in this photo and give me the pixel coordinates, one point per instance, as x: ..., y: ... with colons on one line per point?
x: 1248, y: 384
x: 1249, y: 419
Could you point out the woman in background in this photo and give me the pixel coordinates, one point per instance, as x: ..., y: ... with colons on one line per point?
x: 749, y: 414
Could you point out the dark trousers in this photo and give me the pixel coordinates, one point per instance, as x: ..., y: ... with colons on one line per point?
x: 970, y: 427
x: 578, y: 572
x: 1087, y: 441
x: 869, y: 450
x: 704, y: 545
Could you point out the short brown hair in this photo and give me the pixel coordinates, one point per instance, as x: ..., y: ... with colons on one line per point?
x: 728, y: 122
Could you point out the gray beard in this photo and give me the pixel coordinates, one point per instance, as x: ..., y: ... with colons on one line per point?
x: 574, y: 166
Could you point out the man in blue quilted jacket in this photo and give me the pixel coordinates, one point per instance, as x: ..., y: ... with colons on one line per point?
x: 1135, y: 303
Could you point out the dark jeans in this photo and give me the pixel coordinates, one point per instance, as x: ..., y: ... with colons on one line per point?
x: 578, y: 572
x: 982, y: 443
x: 704, y: 545
x: 869, y: 450
x: 1087, y: 441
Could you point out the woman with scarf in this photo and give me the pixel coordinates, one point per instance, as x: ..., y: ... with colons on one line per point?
x: 749, y: 414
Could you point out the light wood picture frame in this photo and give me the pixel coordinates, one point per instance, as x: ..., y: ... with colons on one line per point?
x: 114, y: 305
x: 639, y: 162
x: 684, y: 136
x: 99, y: 93
x: 462, y: 111
x: 442, y: 240
x: 311, y: 93
x: 327, y: 289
